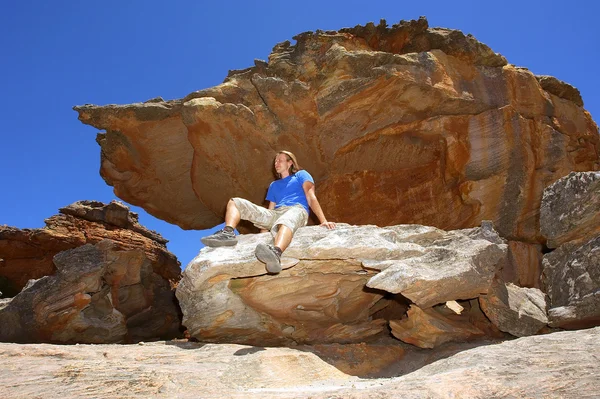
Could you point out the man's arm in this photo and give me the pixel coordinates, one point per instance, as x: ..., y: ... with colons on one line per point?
x: 313, y: 202
x: 271, y: 206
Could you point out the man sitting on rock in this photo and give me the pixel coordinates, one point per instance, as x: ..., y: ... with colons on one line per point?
x: 289, y: 199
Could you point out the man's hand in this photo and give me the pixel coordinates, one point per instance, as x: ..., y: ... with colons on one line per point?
x: 329, y: 225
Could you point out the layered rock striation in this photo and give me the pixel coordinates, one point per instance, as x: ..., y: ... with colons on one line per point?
x: 400, y: 124
x: 92, y: 275
x: 339, y: 286
x: 563, y: 365
x: 27, y: 253
x: 98, y: 294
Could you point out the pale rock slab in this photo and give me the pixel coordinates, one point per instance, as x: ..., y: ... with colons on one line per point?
x: 563, y: 364
x: 515, y: 310
x: 570, y: 209
x: 454, y: 266
x: 226, y: 295
x: 571, y: 277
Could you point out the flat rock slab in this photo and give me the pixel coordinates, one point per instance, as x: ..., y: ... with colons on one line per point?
x: 561, y: 365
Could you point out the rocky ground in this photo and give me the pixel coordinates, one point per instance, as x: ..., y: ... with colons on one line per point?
x: 562, y: 364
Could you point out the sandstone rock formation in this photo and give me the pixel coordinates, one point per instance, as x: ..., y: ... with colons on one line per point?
x: 516, y: 310
x: 558, y: 365
x: 572, y: 280
x: 27, y: 254
x: 99, y: 294
x: 400, y: 124
x: 524, y: 267
x: 571, y: 273
x: 570, y: 210
x: 427, y: 328
x: 334, y: 292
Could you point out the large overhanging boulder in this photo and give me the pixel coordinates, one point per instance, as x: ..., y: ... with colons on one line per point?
x: 401, y: 124
x: 330, y: 289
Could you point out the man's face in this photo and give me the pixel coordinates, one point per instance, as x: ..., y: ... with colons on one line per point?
x: 282, y: 165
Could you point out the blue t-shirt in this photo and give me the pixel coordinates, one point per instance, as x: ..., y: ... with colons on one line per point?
x: 288, y: 191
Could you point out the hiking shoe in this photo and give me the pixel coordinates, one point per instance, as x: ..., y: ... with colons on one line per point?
x: 221, y: 238
x: 268, y: 255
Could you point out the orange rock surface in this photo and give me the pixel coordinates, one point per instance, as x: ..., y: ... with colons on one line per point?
x: 401, y: 124
x: 27, y: 253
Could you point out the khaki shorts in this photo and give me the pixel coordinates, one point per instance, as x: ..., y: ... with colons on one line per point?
x: 293, y: 217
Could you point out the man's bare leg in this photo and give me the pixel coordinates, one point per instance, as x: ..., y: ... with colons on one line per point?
x: 283, y: 238
x: 232, y: 215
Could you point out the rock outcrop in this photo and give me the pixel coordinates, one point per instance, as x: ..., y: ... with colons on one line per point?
x: 572, y: 280
x: 515, y: 310
x: 92, y: 275
x: 428, y: 328
x: 27, y: 253
x: 99, y: 294
x: 401, y: 124
x: 570, y: 210
x: 571, y: 273
x: 344, y: 285
x: 558, y: 365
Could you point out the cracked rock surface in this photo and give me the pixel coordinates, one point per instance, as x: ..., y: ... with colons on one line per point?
x: 340, y: 285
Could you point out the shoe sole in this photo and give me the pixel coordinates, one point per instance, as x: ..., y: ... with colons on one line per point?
x: 266, y: 256
x: 218, y: 243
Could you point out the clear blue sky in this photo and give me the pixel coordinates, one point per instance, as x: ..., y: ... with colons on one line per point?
x: 57, y: 54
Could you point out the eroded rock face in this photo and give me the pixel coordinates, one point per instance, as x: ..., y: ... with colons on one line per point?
x: 99, y: 294
x: 570, y: 209
x: 571, y: 277
x: 27, y: 253
x: 528, y: 367
x: 401, y: 124
x: 335, y: 292
x: 431, y: 277
x: 524, y: 267
x: 515, y: 310
x: 427, y: 328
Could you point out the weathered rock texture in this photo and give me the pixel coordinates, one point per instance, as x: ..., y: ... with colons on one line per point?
x: 27, y: 254
x: 572, y: 280
x: 570, y: 209
x: 334, y: 293
x: 516, y: 310
x: 401, y: 124
x: 99, y: 294
x: 559, y: 365
x: 571, y: 273
x: 524, y: 266
x: 429, y: 328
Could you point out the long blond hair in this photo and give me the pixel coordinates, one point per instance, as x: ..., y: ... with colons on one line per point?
x: 290, y: 157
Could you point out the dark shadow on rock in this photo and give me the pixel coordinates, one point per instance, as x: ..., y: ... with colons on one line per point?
x: 248, y: 351
x: 184, y: 344
x: 364, y: 360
